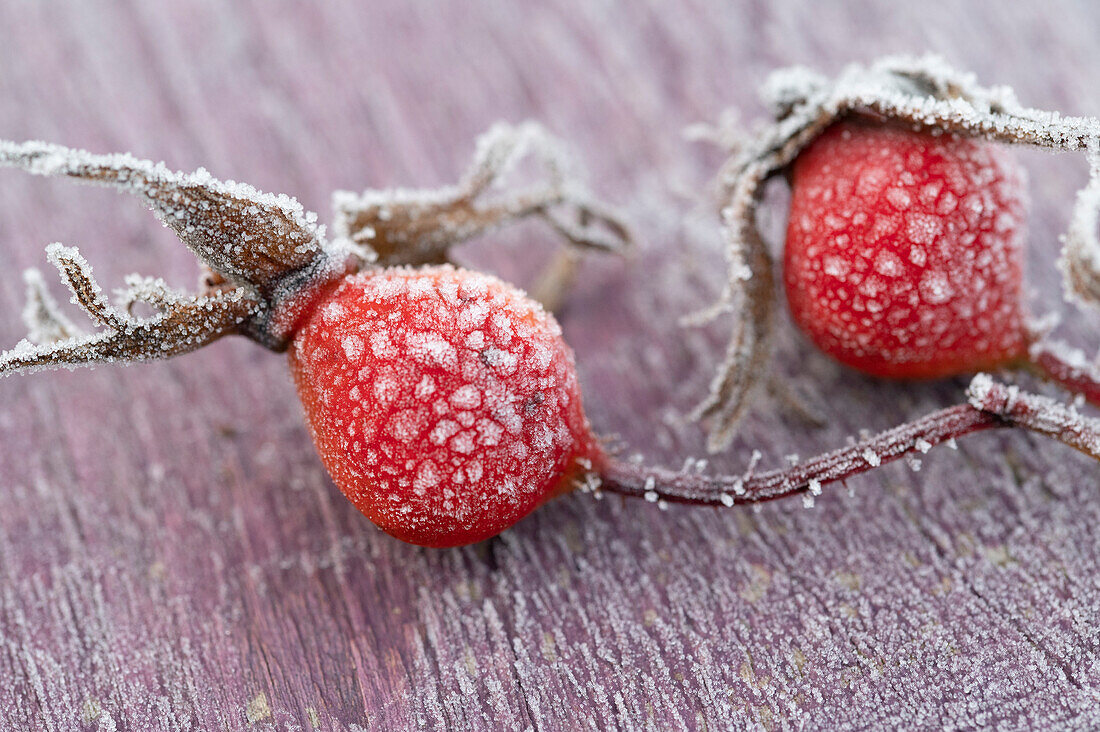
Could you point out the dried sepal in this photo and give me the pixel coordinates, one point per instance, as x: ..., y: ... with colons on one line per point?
x: 924, y: 92
x: 265, y: 257
x: 76, y: 273
x: 152, y: 291
x: 1080, y: 260
x: 412, y: 227
x: 181, y: 324
x: 750, y: 297
x: 42, y: 317
x: 247, y: 236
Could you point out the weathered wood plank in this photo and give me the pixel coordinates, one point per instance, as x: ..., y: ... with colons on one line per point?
x: 173, y: 556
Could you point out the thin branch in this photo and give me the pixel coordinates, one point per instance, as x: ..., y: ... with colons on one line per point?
x: 991, y: 406
x: 1036, y: 413
x: 1068, y: 367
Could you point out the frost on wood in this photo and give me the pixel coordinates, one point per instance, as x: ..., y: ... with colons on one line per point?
x: 413, y: 227
x: 924, y: 92
x: 266, y: 255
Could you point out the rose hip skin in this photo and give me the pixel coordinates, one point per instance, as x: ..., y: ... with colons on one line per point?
x: 443, y: 402
x: 903, y: 256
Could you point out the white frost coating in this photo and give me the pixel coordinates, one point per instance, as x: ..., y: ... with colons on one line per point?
x: 431, y: 348
x: 353, y: 347
x: 466, y: 397
x: 978, y: 391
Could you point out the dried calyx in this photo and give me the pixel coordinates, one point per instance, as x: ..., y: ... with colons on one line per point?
x: 266, y: 254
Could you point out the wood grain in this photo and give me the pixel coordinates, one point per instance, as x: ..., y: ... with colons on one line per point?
x: 173, y: 556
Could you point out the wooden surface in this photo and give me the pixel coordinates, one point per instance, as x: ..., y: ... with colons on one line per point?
x: 173, y: 555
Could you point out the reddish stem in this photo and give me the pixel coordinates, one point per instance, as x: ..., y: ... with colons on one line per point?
x: 1066, y: 367
x: 684, y: 487
x: 992, y: 405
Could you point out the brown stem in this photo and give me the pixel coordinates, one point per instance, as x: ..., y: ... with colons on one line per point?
x: 992, y: 405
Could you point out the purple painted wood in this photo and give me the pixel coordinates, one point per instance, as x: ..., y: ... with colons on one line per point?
x: 173, y: 556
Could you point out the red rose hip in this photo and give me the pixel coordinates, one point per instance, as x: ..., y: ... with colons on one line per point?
x: 903, y: 256
x: 443, y: 402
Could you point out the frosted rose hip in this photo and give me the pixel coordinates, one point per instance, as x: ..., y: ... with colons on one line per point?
x: 443, y: 402
x: 903, y: 254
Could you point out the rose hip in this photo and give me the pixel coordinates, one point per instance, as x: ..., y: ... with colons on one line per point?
x: 443, y: 402
x: 904, y: 251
